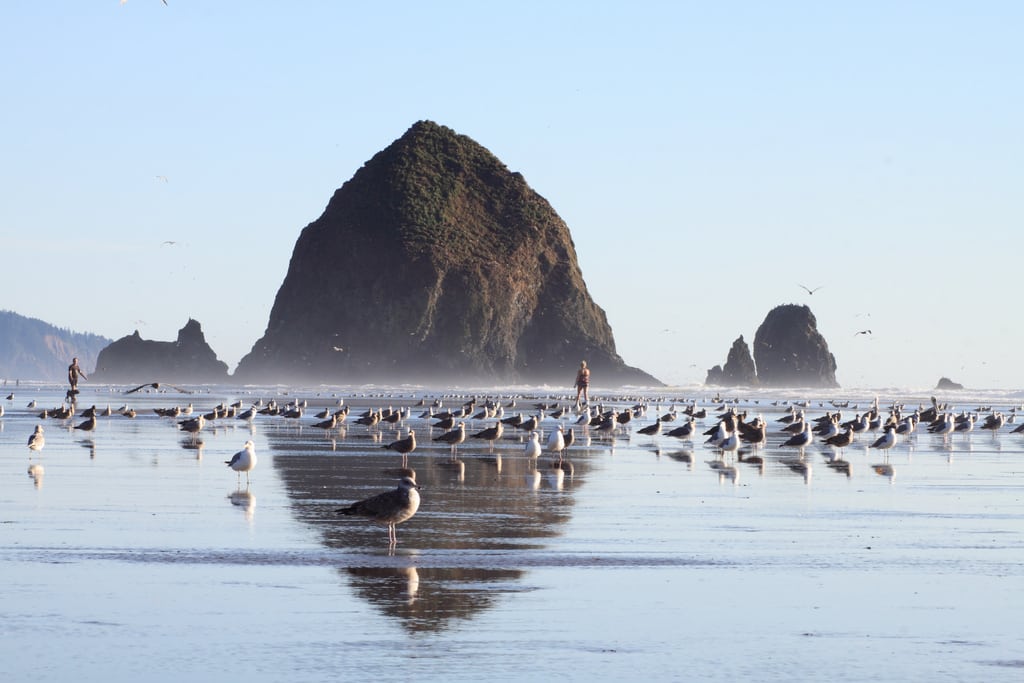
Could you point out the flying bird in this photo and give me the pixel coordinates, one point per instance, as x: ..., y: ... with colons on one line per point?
x: 157, y: 385
x: 812, y: 291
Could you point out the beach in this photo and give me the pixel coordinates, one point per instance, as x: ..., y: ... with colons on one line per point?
x: 137, y: 553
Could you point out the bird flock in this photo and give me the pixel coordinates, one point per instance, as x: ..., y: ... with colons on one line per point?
x: 728, y: 431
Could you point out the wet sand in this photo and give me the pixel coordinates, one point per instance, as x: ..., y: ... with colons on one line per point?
x: 136, y: 555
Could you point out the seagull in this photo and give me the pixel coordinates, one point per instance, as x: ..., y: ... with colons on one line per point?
x: 88, y: 425
x: 718, y: 435
x: 907, y: 425
x: 731, y: 442
x: 193, y: 426
x: 800, y: 440
x: 887, y: 440
x: 994, y: 421
x: 943, y: 425
x: 454, y: 437
x: 37, y: 440
x: 652, y: 429
x: 607, y: 425
x: 556, y: 441
x: 243, y: 461
x: 841, y: 440
x: 390, y: 508
x: 491, y: 434
x: 812, y: 291
x: 404, y: 446
x: 532, y: 449
x: 684, y: 431
x: 570, y: 439
x: 247, y: 414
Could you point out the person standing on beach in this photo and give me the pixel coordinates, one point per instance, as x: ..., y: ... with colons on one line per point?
x: 583, y: 384
x: 74, y: 372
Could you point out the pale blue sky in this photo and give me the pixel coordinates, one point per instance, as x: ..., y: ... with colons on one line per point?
x: 708, y: 158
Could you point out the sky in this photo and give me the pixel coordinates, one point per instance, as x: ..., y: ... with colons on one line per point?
x: 159, y: 162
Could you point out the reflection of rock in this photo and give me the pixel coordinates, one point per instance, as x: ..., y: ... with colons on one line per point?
x: 462, y: 520
x: 948, y: 384
x: 789, y: 350
x: 739, y: 367
x: 481, y: 509
x: 429, y: 598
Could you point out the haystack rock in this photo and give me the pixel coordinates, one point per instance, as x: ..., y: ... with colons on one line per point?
x: 789, y: 350
x: 435, y: 263
x: 189, y: 359
x: 739, y: 368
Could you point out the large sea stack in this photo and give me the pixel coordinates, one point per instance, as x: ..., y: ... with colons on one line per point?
x: 188, y: 359
x: 435, y: 263
x: 790, y: 352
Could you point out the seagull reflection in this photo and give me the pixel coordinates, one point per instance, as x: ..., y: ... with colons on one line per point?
x: 755, y: 460
x: 533, y: 479
x: 198, y: 445
x: 685, y: 457
x: 725, y: 472
x: 555, y: 476
x: 838, y: 464
x: 565, y: 465
x: 801, y: 467
x: 399, y: 472
x: 885, y: 470
x: 36, y: 471
x: 244, y: 499
x: 91, y: 445
x: 456, y: 468
x: 494, y: 462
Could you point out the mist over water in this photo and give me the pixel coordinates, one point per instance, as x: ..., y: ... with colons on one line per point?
x: 132, y: 551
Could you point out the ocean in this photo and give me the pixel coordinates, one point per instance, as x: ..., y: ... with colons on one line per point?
x: 135, y: 553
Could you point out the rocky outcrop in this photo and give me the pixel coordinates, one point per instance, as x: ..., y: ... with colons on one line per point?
x: 789, y: 350
x: 946, y: 383
x: 435, y: 263
x: 189, y: 359
x: 739, y: 368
